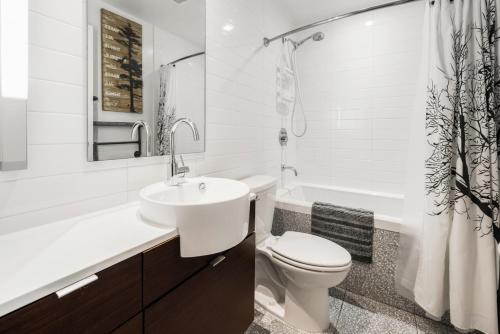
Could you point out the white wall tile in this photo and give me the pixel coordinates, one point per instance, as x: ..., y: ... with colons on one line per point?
x: 54, y: 97
x: 141, y: 176
x: 52, y: 34
x: 55, y: 159
x: 69, y: 11
x: 358, y: 105
x: 358, y: 88
x: 241, y: 123
x: 25, y: 195
x: 56, y: 66
x: 53, y: 128
x: 59, y: 212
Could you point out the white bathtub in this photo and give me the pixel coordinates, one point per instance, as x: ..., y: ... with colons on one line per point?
x: 387, y: 207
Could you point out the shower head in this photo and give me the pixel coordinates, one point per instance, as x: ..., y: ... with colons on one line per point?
x: 317, y: 36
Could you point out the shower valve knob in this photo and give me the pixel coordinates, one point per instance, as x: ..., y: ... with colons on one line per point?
x: 283, y: 137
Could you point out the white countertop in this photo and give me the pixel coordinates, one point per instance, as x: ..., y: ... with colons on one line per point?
x: 38, y: 261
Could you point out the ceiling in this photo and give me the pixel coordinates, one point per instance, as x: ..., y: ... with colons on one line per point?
x: 185, y: 19
x: 303, y: 12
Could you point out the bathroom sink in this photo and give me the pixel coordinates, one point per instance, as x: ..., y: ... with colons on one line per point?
x: 211, y: 214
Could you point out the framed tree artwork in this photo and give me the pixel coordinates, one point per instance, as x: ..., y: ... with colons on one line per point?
x: 121, y: 54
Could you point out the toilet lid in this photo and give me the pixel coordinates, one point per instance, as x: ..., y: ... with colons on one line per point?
x: 311, y: 250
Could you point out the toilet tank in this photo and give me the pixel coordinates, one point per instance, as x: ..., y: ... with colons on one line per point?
x: 264, y: 187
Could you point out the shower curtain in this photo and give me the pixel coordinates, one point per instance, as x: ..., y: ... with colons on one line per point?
x: 448, y: 248
x: 166, y: 109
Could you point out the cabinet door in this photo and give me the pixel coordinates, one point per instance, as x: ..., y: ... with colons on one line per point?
x: 98, y: 307
x: 218, y: 300
x: 133, y: 326
x: 164, y: 269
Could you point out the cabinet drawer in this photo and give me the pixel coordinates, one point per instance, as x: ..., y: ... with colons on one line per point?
x: 99, y: 307
x: 219, y: 299
x: 164, y: 269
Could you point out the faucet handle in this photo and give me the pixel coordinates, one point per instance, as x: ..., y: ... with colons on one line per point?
x: 183, y: 169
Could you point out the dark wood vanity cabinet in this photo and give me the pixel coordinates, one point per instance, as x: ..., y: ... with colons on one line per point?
x: 164, y: 269
x: 98, y: 307
x: 219, y: 299
x: 133, y: 326
x: 153, y: 292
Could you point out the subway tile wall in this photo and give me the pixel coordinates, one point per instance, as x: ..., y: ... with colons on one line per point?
x: 241, y: 123
x: 242, y: 126
x: 359, y: 87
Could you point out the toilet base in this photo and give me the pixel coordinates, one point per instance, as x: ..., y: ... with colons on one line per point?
x: 305, y: 309
x: 265, y: 298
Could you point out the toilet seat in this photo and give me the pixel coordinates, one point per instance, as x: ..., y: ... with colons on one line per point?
x: 302, y: 266
x: 310, y: 252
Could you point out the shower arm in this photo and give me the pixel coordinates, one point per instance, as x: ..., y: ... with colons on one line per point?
x: 303, y: 41
x: 268, y: 41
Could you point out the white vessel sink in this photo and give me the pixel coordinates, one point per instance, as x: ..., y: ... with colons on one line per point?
x: 211, y: 214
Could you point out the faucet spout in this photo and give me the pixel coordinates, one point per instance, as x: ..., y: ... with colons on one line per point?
x: 285, y: 167
x: 174, y: 169
x: 134, y: 134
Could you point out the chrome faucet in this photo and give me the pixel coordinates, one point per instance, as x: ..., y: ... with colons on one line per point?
x: 284, y: 168
x: 135, y: 130
x: 175, y: 170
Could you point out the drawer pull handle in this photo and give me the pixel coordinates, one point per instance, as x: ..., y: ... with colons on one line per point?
x: 75, y: 286
x: 217, y: 260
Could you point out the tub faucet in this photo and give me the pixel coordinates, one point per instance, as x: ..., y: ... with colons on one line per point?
x: 177, y: 172
x: 135, y: 130
x: 285, y: 167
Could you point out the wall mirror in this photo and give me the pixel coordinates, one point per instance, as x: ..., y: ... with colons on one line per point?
x: 146, y: 62
x: 13, y: 83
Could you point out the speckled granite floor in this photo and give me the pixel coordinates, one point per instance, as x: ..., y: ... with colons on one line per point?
x: 355, y: 314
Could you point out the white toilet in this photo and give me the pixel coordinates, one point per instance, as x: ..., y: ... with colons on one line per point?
x: 293, y: 272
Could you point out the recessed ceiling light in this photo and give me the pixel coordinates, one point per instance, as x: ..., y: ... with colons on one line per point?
x: 368, y: 23
x: 228, y: 27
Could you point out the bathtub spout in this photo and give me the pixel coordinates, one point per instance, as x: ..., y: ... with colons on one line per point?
x: 284, y: 168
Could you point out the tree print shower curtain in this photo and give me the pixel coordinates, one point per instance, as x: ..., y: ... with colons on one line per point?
x: 166, y: 109
x: 457, y: 249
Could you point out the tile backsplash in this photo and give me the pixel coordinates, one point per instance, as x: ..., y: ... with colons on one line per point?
x: 359, y: 87
x: 241, y: 123
x: 356, y: 98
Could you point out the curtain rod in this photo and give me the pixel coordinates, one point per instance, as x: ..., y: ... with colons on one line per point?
x: 268, y: 41
x: 184, y: 58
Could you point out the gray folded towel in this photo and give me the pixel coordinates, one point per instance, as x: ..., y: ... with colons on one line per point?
x: 350, y: 228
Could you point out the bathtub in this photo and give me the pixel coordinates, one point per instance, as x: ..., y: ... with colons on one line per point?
x: 387, y: 207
